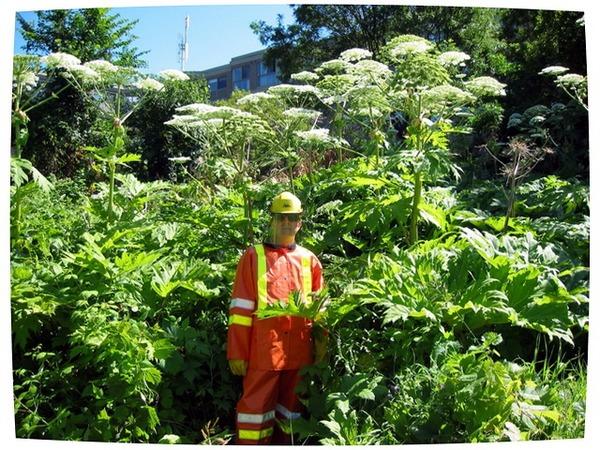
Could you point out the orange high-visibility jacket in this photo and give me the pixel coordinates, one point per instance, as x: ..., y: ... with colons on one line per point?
x: 277, y: 343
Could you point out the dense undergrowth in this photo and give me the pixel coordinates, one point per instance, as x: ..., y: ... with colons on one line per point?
x: 468, y: 335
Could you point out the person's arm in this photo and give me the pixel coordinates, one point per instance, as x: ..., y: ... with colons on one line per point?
x: 241, y: 309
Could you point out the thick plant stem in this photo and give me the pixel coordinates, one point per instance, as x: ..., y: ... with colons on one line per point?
x: 414, y: 233
x: 111, y: 190
x: 511, y: 204
x: 248, y: 212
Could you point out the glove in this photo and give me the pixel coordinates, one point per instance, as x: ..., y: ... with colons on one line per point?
x: 238, y: 366
x: 321, y: 341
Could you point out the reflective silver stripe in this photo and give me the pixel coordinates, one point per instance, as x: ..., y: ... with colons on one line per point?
x: 286, y: 412
x: 242, y: 303
x: 255, y: 418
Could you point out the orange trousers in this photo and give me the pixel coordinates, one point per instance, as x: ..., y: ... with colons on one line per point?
x: 268, y: 394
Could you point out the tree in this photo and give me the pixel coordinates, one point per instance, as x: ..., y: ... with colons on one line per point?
x: 321, y: 32
x: 89, y: 34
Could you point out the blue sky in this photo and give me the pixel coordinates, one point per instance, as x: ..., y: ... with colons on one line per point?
x: 216, y: 34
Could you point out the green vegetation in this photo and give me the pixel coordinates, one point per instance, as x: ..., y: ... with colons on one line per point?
x: 450, y: 319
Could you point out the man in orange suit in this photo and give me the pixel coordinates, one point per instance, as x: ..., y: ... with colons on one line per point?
x: 269, y: 353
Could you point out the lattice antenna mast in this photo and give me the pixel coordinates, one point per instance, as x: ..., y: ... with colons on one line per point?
x: 183, y: 45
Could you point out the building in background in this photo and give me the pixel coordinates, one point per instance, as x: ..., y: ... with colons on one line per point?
x: 248, y: 72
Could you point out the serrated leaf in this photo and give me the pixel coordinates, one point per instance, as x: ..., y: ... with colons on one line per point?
x: 128, y: 157
x: 163, y: 349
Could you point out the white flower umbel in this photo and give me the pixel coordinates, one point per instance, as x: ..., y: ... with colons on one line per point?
x: 150, y: 84
x: 319, y: 136
x: 355, y: 54
x: 411, y: 47
x: 570, y: 79
x: 227, y: 112
x: 253, y: 99
x: 84, y: 73
x: 101, y: 67
x: 453, y: 58
x: 369, y: 69
x: 196, y: 108
x: 482, y: 86
x: 181, y: 120
x: 305, y: 76
x: 553, y: 70
x: 333, y: 65
x: 302, y: 113
x: 28, y: 79
x: 316, y: 135
x: 59, y: 59
x: 173, y: 75
x: 292, y: 89
x: 447, y: 94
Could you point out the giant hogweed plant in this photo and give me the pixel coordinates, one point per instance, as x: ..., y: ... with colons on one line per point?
x: 288, y: 109
x: 262, y: 125
x: 426, y: 87
x: 116, y: 92
x: 224, y: 131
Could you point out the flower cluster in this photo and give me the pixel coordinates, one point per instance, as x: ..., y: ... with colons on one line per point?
x: 305, y: 76
x: 371, y: 70
x: 553, y: 70
x: 570, y: 80
x: 286, y: 90
x: 203, y: 112
x: 410, y: 47
x: 199, y: 108
x: 453, y: 58
x: 150, y: 84
x: 101, y: 67
x: 60, y: 60
x: 333, y: 65
x: 27, y: 79
x: 302, y: 113
x: 447, y: 94
x: 253, y: 99
x: 84, y: 73
x: 173, y: 75
x: 181, y: 120
x: 484, y: 86
x: 355, y: 54
x: 319, y: 136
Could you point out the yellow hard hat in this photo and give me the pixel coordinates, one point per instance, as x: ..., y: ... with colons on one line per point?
x: 286, y: 203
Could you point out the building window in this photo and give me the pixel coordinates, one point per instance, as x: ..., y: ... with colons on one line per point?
x: 267, y: 74
x: 241, y: 77
x: 217, y: 83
